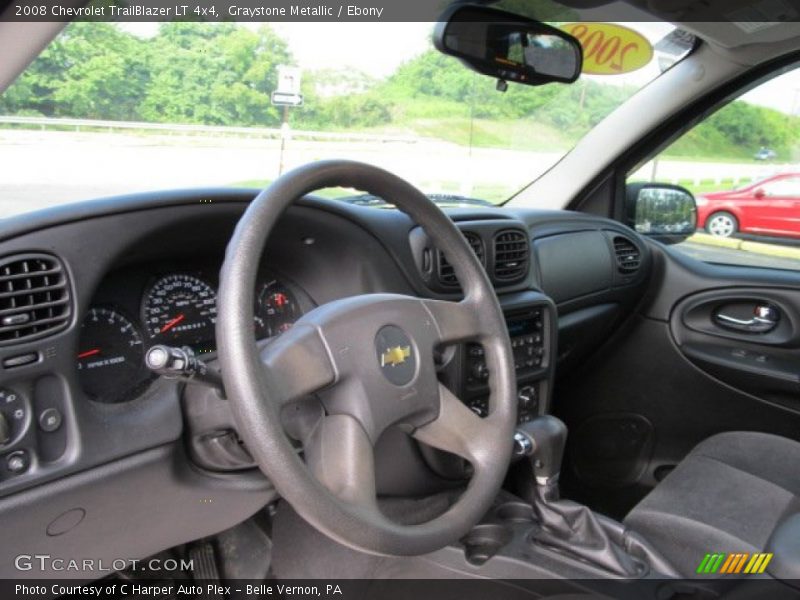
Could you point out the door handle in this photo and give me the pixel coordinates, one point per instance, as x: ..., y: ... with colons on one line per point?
x: 765, y: 318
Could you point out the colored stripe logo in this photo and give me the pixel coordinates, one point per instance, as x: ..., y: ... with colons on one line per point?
x: 731, y: 564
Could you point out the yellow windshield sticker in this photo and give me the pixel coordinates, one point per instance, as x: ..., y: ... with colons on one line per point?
x: 610, y: 49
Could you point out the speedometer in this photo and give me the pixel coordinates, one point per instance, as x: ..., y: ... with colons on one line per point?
x: 180, y: 310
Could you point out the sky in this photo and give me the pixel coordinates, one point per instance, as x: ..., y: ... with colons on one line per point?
x: 389, y: 44
x: 340, y: 45
x: 781, y: 93
x: 337, y: 45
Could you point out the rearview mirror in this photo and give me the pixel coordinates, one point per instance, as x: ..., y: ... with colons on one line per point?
x: 662, y: 211
x: 508, y: 46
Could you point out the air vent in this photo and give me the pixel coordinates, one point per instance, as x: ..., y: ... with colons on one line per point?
x: 511, y: 248
x: 629, y: 258
x: 447, y: 275
x: 34, y: 297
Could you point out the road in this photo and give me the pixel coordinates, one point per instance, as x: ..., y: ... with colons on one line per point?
x: 42, y: 169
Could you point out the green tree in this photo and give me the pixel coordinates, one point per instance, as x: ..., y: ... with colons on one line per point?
x: 105, y: 73
x: 92, y: 70
x: 223, y: 74
x: 214, y: 74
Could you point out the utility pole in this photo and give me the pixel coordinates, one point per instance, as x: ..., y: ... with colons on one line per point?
x: 285, y: 133
x: 286, y: 95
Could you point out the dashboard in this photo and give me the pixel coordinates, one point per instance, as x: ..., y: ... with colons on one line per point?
x: 85, y: 290
x: 169, y: 304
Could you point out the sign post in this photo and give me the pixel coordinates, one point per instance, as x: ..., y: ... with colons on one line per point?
x: 287, y: 95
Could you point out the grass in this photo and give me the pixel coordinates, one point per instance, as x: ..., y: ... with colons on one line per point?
x: 709, y: 185
x: 709, y: 158
x: 710, y: 145
x: 483, y: 133
x: 252, y: 183
x: 706, y: 185
x: 455, y: 126
x: 331, y: 193
x: 495, y: 193
x: 491, y: 192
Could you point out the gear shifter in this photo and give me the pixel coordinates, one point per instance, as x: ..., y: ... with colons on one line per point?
x: 546, y: 437
x: 568, y: 526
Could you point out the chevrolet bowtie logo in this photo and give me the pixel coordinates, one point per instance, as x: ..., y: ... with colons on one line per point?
x: 396, y: 355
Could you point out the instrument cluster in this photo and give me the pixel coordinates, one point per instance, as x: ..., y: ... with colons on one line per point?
x: 175, y: 309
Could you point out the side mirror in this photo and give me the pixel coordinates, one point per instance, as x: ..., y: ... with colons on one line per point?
x: 662, y: 211
x: 508, y: 47
x: 759, y: 193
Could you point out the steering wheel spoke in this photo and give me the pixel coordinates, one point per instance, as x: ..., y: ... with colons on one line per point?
x: 297, y: 364
x: 456, y: 321
x: 339, y: 454
x: 457, y: 430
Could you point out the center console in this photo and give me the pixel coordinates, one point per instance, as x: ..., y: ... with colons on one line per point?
x: 530, y: 319
x: 539, y: 535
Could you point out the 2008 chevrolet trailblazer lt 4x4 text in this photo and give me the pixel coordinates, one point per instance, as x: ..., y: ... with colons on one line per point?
x: 414, y: 301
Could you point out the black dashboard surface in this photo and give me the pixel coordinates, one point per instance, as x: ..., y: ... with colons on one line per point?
x: 142, y: 267
x: 145, y: 269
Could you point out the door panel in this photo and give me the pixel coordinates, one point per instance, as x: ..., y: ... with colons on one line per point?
x: 780, y: 203
x: 745, y: 337
x: 677, y: 376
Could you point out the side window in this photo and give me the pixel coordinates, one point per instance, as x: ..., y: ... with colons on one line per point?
x: 783, y: 188
x: 742, y: 163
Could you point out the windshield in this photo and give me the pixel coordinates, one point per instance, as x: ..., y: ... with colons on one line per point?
x: 122, y: 108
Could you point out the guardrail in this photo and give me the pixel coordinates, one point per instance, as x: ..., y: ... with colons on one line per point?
x: 678, y: 171
x: 45, y: 123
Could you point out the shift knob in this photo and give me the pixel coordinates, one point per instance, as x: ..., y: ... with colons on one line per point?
x: 547, y: 436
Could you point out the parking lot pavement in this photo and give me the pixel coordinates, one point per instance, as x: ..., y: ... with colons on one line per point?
x: 732, y: 256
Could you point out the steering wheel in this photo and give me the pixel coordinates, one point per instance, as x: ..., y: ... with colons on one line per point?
x: 370, y: 361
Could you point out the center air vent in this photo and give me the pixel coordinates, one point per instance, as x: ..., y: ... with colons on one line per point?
x: 511, y: 248
x: 447, y: 275
x: 34, y: 297
x: 629, y: 258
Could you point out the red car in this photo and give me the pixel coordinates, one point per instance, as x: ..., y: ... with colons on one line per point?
x: 770, y: 206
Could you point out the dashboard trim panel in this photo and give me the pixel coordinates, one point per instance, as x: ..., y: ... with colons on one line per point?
x: 324, y: 250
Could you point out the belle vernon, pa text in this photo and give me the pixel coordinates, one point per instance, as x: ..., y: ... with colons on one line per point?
x: 185, y: 10
x: 189, y: 590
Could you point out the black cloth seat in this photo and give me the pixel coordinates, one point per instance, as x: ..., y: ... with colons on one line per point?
x: 735, y: 492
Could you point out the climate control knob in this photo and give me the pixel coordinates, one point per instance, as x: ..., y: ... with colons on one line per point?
x: 13, y: 416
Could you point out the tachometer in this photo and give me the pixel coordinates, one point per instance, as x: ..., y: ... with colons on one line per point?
x: 110, y: 356
x: 180, y: 310
x: 276, y: 309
